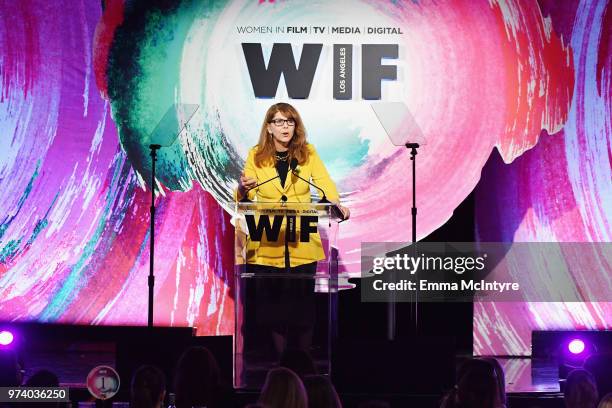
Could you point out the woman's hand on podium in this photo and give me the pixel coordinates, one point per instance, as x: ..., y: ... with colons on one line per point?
x: 346, y: 213
x: 245, y: 183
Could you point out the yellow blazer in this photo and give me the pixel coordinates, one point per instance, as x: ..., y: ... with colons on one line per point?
x: 296, y: 190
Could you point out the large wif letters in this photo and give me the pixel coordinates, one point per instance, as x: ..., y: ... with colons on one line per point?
x: 298, y: 79
x: 308, y: 225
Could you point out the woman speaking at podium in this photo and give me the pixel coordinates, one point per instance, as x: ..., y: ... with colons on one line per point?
x: 286, y: 306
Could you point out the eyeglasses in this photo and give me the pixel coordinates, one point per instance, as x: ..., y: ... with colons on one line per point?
x: 282, y: 122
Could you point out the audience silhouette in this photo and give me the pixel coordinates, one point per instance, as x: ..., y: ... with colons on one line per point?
x: 580, y: 390
x: 283, y: 389
x: 321, y: 392
x: 197, y: 380
x: 476, y: 387
x: 148, y: 388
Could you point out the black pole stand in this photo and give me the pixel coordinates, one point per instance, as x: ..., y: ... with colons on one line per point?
x: 413, y: 152
x: 391, y: 308
x: 154, y: 148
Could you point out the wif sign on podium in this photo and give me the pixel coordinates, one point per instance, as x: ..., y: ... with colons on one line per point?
x: 286, y: 278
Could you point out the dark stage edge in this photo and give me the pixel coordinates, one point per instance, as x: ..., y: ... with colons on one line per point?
x: 71, y: 351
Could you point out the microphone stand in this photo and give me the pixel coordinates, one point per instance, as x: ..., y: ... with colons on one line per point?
x: 245, y: 197
x: 333, y: 210
x: 151, y: 281
x: 324, y: 199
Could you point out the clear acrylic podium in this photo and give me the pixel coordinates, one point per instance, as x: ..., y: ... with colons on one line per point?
x: 292, y: 304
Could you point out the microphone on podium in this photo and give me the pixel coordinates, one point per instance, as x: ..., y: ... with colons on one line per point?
x: 245, y: 198
x: 293, y: 166
x: 334, y: 209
